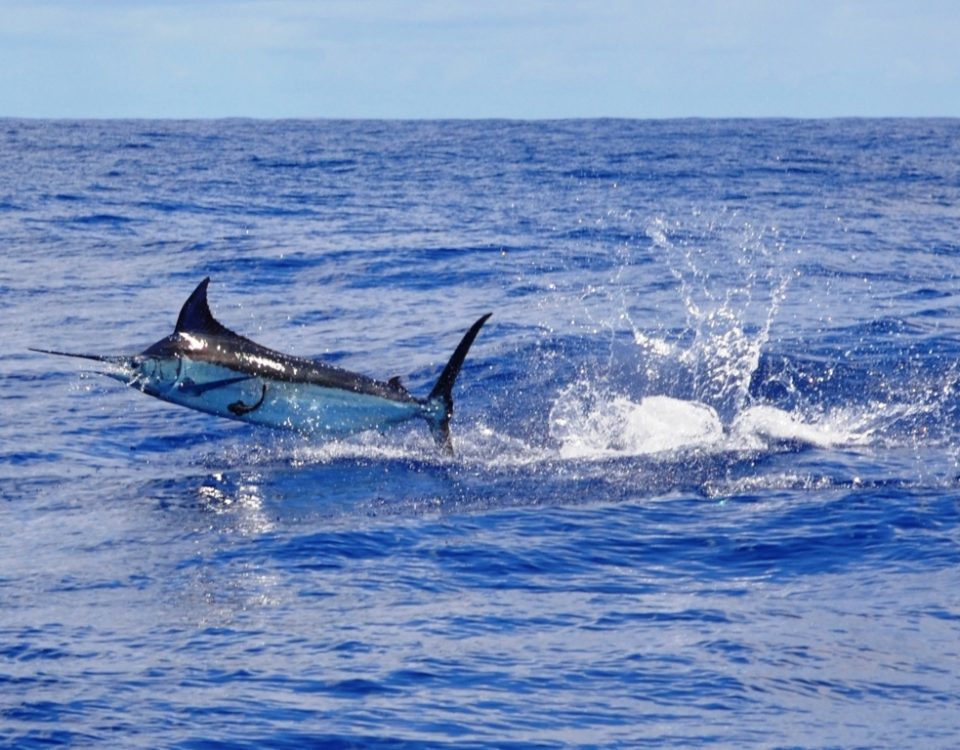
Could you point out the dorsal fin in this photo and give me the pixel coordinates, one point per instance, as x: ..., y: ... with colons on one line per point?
x: 396, y: 385
x: 195, y: 315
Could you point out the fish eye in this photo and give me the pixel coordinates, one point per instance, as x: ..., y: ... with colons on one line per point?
x: 148, y: 366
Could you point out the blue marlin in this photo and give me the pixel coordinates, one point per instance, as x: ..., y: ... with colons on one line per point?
x: 203, y: 365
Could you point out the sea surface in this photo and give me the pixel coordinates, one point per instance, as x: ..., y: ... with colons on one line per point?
x: 706, y: 490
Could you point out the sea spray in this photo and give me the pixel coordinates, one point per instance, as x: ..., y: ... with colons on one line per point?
x: 695, y: 382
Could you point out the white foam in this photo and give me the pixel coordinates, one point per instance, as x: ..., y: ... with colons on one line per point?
x: 759, y: 426
x: 590, y: 422
x: 598, y: 426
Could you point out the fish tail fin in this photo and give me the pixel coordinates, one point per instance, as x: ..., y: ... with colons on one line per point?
x: 440, y: 400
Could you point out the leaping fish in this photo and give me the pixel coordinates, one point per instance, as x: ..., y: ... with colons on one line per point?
x: 203, y: 365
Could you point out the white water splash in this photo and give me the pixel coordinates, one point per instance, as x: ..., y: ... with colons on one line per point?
x: 732, y: 279
x: 591, y: 424
x: 762, y: 426
x: 732, y: 282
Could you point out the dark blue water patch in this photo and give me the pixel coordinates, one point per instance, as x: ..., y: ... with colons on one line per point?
x: 942, y: 248
x: 255, y: 265
x: 893, y: 349
x: 352, y: 688
x: 855, y: 530
x: 22, y: 458
x: 613, y: 620
x: 49, y: 711
x: 335, y: 166
x: 603, y: 237
x: 498, y: 568
x: 174, y: 206
x: 100, y: 187
x: 336, y: 549
x: 789, y: 382
x: 25, y: 652
x: 203, y: 433
x: 945, y: 615
x: 466, y: 627
x: 72, y: 584
x: 355, y: 741
x: 592, y: 173
x: 70, y: 198
x: 925, y: 293
x: 46, y: 739
x: 102, y: 219
x: 841, y: 269
x: 405, y: 268
x: 261, y: 266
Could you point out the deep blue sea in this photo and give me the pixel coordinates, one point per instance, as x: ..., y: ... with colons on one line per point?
x: 706, y: 490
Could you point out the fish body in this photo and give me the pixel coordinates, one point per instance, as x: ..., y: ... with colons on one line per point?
x: 205, y: 366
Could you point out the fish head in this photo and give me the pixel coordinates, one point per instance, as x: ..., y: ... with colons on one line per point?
x: 152, y: 373
x: 155, y: 376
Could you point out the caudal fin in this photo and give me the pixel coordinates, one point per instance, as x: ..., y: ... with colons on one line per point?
x: 442, y: 393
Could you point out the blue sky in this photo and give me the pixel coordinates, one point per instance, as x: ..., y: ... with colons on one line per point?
x: 493, y: 58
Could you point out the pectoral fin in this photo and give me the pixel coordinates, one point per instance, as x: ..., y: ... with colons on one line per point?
x: 239, y: 408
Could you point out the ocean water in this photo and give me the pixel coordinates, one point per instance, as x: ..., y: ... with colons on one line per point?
x: 705, y: 491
